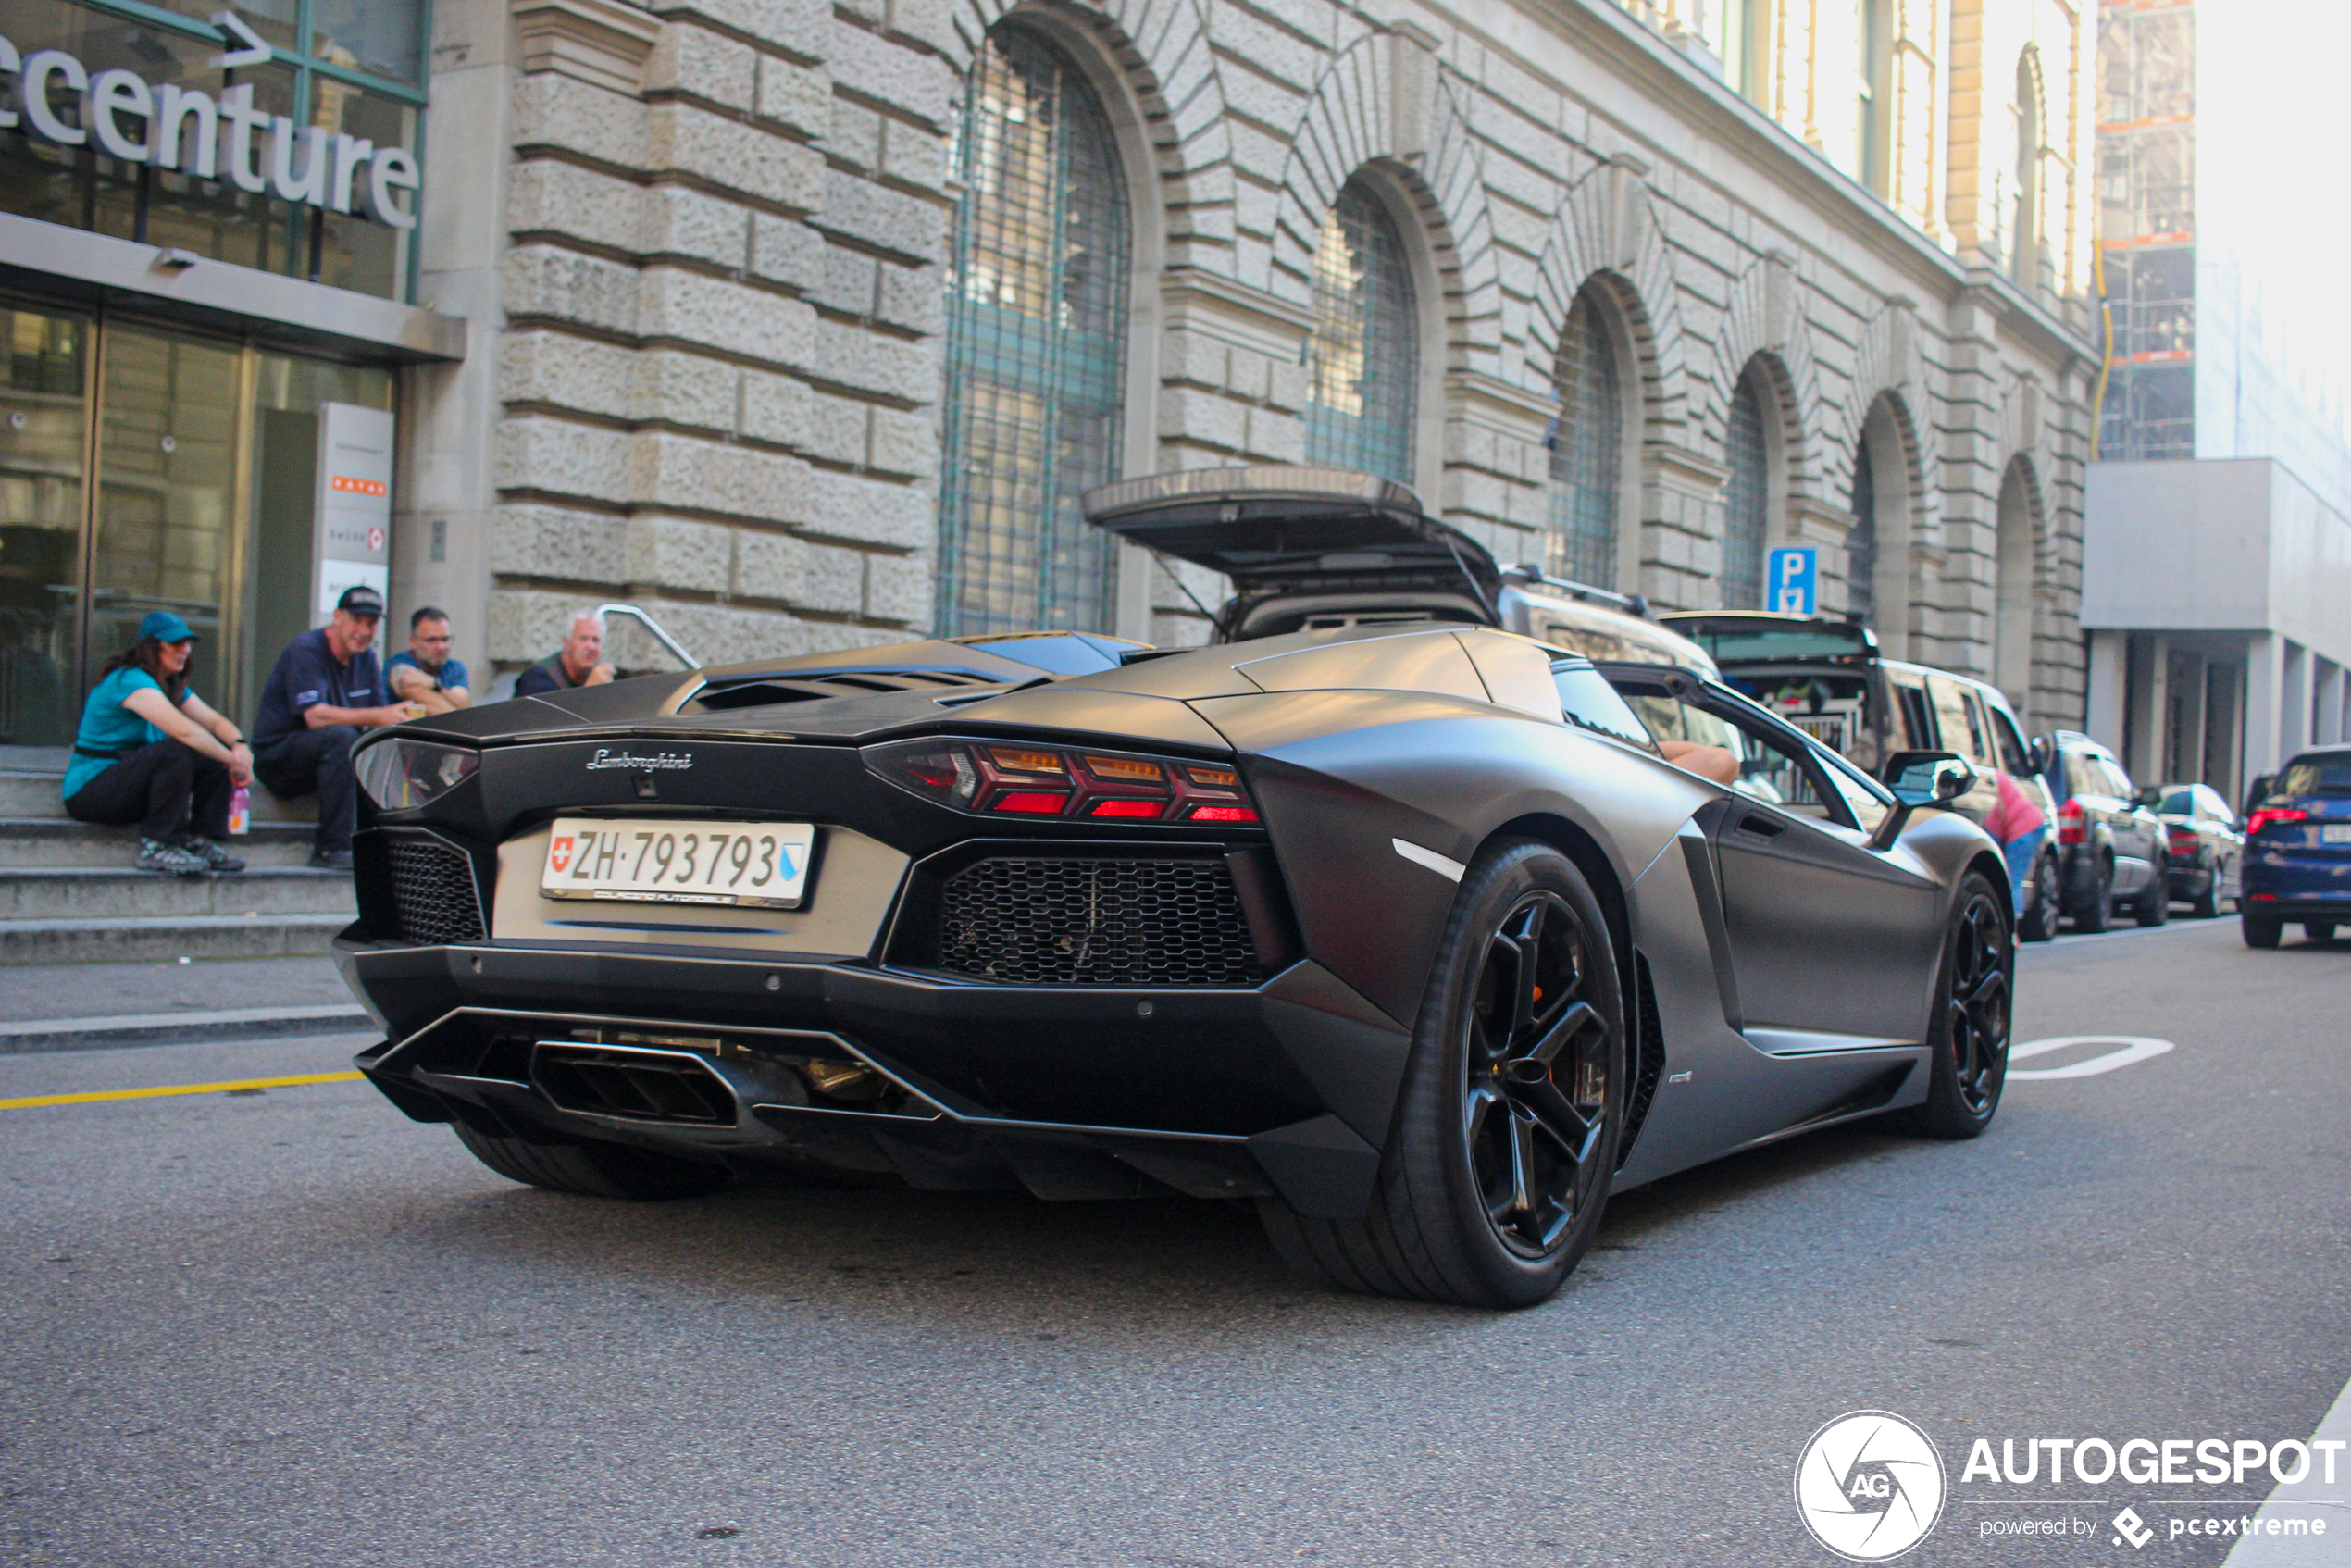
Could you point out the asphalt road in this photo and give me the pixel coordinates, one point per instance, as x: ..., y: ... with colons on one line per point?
x: 293, y: 1328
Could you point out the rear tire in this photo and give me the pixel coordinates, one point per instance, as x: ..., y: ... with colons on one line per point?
x: 2039, y: 922
x: 594, y: 1170
x: 2318, y: 930
x: 2154, y: 904
x: 1499, y: 1160
x: 2096, y: 912
x: 1969, y: 1042
x: 2261, y: 931
x: 2208, y: 902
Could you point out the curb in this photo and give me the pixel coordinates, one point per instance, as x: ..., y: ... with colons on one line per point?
x: 153, y: 1028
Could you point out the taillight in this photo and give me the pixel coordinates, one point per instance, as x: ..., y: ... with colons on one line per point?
x: 2266, y: 815
x: 992, y: 779
x: 2073, y: 823
x: 2184, y: 842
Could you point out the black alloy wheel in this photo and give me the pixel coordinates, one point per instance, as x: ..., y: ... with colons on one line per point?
x: 1537, y: 1075
x: 1968, y: 1043
x: 1502, y: 1150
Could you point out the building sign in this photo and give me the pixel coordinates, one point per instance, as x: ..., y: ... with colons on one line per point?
x: 352, y: 545
x: 1792, y: 580
x: 49, y: 95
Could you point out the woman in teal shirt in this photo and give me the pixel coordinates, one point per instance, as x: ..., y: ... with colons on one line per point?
x: 150, y: 752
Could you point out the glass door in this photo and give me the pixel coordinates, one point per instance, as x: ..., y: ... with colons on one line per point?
x: 44, y: 443
x: 164, y: 534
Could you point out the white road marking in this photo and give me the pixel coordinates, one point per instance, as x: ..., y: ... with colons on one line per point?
x: 1430, y: 858
x: 2133, y: 1048
x: 2311, y: 1498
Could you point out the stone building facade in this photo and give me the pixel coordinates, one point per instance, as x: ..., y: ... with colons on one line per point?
x: 714, y: 254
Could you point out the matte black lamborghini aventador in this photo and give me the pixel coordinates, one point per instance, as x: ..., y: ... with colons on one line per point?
x: 1399, y: 925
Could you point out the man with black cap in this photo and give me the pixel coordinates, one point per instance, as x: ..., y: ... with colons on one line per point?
x: 323, y: 690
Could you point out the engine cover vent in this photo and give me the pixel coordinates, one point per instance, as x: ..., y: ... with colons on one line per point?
x: 1020, y: 920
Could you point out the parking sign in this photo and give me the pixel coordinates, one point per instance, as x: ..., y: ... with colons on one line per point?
x: 1793, y: 574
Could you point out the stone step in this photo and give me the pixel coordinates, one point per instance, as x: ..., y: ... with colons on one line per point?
x: 150, y: 940
x: 33, y: 792
x: 27, y: 842
x: 95, y: 893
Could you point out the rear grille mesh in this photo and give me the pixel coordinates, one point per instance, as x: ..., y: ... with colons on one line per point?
x: 432, y: 892
x: 1042, y: 921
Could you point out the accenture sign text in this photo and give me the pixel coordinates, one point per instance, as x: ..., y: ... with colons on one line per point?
x: 227, y: 139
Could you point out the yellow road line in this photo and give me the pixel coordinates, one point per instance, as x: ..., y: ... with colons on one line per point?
x: 174, y: 1089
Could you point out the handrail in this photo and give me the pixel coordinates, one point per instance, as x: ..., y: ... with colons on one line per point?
x: 676, y: 647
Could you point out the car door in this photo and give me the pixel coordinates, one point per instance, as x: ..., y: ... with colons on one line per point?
x: 1827, y: 935
x: 2138, y: 832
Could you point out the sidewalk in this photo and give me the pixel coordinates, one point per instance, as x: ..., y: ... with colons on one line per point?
x: 64, y: 1006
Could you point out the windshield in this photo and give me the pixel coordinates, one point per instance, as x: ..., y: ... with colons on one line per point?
x: 2318, y: 773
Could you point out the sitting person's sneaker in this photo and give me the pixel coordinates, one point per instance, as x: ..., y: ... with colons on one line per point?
x: 213, y: 854
x: 330, y: 860
x: 169, y: 859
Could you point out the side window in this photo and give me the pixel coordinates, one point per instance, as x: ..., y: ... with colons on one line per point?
x: 1590, y: 702
x: 1592, y: 642
x: 1785, y: 773
x: 2082, y: 775
x: 1955, y: 717
x: 2118, y: 783
x: 2212, y: 805
x: 2013, y: 755
x: 1917, y: 718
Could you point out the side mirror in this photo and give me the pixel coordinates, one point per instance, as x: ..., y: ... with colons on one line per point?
x: 1928, y: 779
x: 2260, y: 793
x: 1919, y: 778
x: 2041, y: 755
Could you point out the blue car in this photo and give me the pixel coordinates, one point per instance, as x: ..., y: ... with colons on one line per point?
x: 2297, y: 852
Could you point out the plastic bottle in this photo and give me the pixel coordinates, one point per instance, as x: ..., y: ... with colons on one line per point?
x: 240, y: 811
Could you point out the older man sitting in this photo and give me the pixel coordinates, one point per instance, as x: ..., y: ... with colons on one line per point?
x: 579, y: 662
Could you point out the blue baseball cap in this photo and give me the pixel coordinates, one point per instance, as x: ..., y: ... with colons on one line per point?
x: 165, y: 627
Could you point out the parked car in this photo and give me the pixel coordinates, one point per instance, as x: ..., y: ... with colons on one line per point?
x: 2297, y: 855
x: 1825, y: 675
x: 1339, y: 922
x: 2204, y: 847
x: 2111, y: 849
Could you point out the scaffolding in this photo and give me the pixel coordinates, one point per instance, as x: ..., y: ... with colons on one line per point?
x: 2146, y: 223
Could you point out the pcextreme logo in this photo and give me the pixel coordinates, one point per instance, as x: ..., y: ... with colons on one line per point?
x: 1869, y: 1486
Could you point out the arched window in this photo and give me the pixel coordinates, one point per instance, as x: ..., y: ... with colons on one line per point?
x: 1861, y: 545
x: 1036, y: 346
x: 1586, y: 441
x: 1362, y: 359
x: 1747, y: 497
x: 2025, y: 261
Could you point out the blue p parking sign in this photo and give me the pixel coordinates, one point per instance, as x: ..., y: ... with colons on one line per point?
x: 1791, y: 573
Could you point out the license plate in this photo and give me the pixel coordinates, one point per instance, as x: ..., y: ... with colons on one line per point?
x: 2335, y: 833
x: 749, y: 865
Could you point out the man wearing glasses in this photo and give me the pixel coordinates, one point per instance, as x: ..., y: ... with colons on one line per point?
x: 423, y: 673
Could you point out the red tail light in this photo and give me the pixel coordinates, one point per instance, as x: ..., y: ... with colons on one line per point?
x: 2265, y: 817
x: 2073, y: 823
x: 989, y: 779
x: 2184, y: 842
